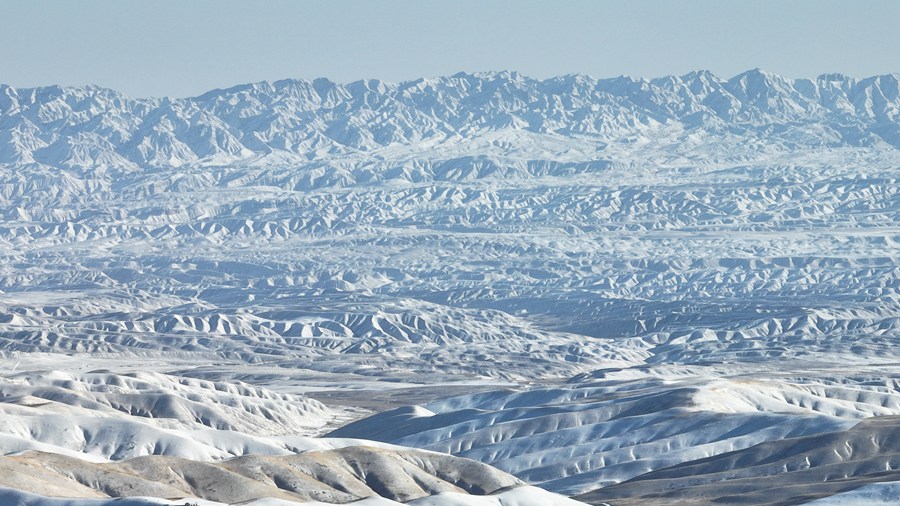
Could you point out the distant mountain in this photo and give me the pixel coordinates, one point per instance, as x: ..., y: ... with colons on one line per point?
x: 97, y: 128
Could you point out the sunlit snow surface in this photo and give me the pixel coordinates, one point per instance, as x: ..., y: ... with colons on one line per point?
x: 656, y: 272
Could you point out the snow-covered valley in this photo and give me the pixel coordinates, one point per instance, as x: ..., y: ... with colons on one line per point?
x: 591, y: 285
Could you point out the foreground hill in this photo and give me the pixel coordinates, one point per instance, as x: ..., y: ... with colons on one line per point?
x: 101, y: 435
x: 631, y: 438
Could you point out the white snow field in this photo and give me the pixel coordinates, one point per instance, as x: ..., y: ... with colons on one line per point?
x: 676, y: 290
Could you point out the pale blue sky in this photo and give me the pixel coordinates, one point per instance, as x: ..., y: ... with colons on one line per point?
x: 185, y: 47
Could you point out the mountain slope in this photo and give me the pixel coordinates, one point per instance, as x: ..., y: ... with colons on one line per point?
x: 793, y: 471
x: 592, y: 435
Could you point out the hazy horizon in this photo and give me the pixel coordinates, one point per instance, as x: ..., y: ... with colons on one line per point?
x: 180, y: 49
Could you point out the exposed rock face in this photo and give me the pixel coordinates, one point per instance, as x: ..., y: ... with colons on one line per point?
x: 332, y: 476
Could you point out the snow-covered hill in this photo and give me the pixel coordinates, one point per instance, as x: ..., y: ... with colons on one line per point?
x: 786, y: 471
x: 687, y: 266
x: 587, y: 435
x: 101, y: 435
x: 105, y: 416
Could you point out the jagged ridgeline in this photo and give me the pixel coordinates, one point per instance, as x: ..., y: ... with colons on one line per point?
x: 92, y: 127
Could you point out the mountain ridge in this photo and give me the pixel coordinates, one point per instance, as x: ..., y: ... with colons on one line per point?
x: 92, y: 127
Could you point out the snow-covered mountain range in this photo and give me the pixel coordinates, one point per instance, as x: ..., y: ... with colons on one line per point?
x: 653, y: 272
x: 97, y: 128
